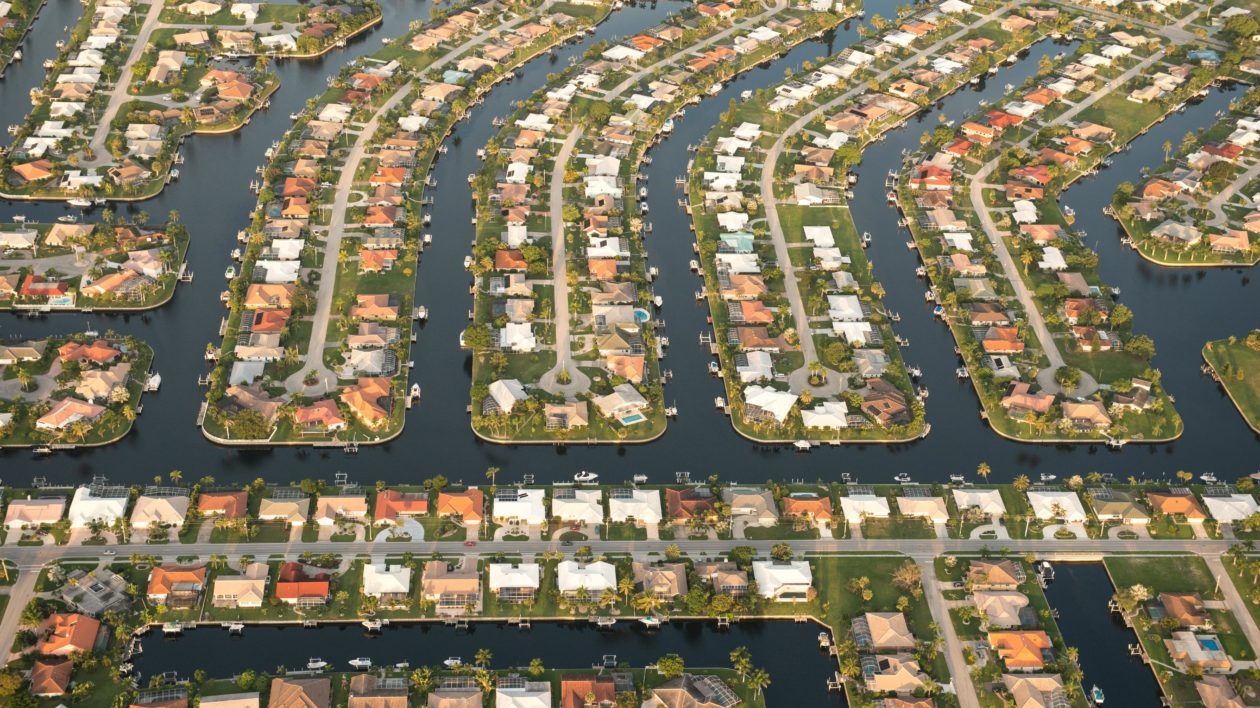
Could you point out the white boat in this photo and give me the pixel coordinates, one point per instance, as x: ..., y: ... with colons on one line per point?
x: 230, y: 272
x: 19, y: 218
x: 719, y: 402
x: 956, y: 478
x: 962, y: 372
x: 316, y: 664
x: 640, y: 478
x: 68, y: 219
x: 658, y: 301
x: 802, y: 445
x: 585, y: 476
x: 694, y: 265
x: 650, y: 622
x: 903, y: 478
x: 236, y: 254
x: 1208, y: 477
x: 361, y: 662
x: 1096, y: 695
x: 745, y: 95
x: 453, y: 662
x: 468, y: 261
x: 1047, y: 477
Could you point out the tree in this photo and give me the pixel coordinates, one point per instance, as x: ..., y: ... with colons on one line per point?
x: 1141, y: 347
x: 10, y: 683
x: 758, y: 680
x: 781, y: 552
x: 536, y: 667
x: 983, y: 470
x: 1021, y: 483
x: 422, y: 679
x: 741, y: 661
x: 908, y: 575
x: 670, y: 666
x: 673, y: 552
x: 491, y: 474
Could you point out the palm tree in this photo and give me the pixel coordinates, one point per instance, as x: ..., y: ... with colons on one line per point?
x: 741, y: 661
x: 536, y: 667
x: 626, y: 586
x: 758, y: 679
x: 1021, y: 483
x: 422, y: 679
x: 175, y: 476
x: 491, y: 474
x: 983, y: 470
x: 483, y: 657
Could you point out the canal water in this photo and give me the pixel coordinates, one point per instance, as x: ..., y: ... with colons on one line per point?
x: 213, y: 199
x: 788, y: 651
x: 1080, y: 592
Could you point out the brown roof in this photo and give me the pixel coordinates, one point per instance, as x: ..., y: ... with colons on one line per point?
x: 165, y: 577
x: 1185, y: 607
x: 574, y: 689
x: 229, y: 505
x: 51, y: 678
x: 300, y: 693
x: 1169, y: 503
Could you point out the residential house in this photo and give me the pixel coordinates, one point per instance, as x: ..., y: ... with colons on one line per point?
x: 882, y: 631
x: 176, y: 586
x: 515, y: 582
x: 1022, y: 650
x: 453, y: 589
x: 784, y: 581
x: 245, y: 591
x: 300, y: 693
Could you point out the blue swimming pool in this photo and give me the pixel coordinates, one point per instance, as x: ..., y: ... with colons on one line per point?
x: 1210, y: 644
x: 633, y: 418
x: 641, y: 315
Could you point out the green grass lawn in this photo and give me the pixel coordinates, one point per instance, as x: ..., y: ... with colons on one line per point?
x: 1162, y: 573
x: 897, y: 528
x: 782, y: 531
x: 1232, y: 358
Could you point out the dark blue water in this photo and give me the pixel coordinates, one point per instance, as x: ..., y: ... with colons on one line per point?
x: 788, y: 651
x: 213, y: 198
x: 1080, y: 592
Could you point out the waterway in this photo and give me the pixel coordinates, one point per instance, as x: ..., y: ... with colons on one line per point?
x: 1080, y: 592
x: 1179, y: 309
x: 798, y: 677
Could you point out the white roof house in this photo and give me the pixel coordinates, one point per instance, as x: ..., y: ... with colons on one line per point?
x: 1232, y: 508
x: 534, y: 694
x: 526, y: 505
x: 1052, y: 259
x: 385, y: 579
x: 518, y: 336
x: 514, y: 576
x: 856, y: 506
x: 164, y: 511
x: 777, y: 404
x: 578, y: 505
x: 931, y: 508
x: 820, y: 235
x: 759, y: 365
x: 506, y: 392
x: 594, y: 577
x: 988, y: 501
x: 86, y: 509
x: 828, y: 415
x: 643, y: 505
x: 732, y: 220
x: 784, y: 582
x: 329, y: 508
x: 1044, y: 504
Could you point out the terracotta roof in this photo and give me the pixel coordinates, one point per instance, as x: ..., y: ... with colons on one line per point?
x: 165, y: 577
x: 469, y: 504
x: 66, y: 633
x: 50, y: 678
x: 574, y: 689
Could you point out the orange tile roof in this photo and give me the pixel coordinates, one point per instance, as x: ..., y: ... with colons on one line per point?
x: 1171, y: 504
x: 229, y: 505
x: 165, y: 577
x: 66, y: 633
x: 1021, y: 649
x: 50, y: 678
x: 391, y: 503
x: 818, y: 507
x: 574, y: 690
x: 469, y: 504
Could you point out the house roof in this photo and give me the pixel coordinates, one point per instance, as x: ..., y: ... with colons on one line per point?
x: 34, y: 511
x: 67, y: 633
x: 50, y: 678
x: 575, y: 688
x: 300, y: 693
x: 162, y: 510
x: 1170, y: 503
x: 229, y: 505
x: 889, y: 630
x: 818, y: 507
x: 1185, y: 607
x: 469, y: 504
x: 164, y: 578
x: 1022, y: 649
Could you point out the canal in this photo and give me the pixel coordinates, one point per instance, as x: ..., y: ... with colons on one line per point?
x: 1080, y: 592
x: 213, y: 199
x: 788, y: 651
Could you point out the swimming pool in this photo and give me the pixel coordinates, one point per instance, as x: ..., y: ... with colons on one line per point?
x: 633, y: 418
x: 1210, y: 644
x: 641, y: 315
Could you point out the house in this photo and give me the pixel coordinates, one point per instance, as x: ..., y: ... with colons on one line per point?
x: 1217, y: 692
x: 931, y: 509
x: 593, y: 578
x: 331, y: 509
x: 691, y: 503
x: 319, y: 417
x: 247, y: 590
x: 67, y: 633
x: 812, y: 507
x: 1186, y: 608
x: 31, y: 513
x: 987, y: 502
x: 892, y: 673
x: 1232, y: 508
x: 391, y: 585
x: 1180, y: 503
x: 1198, y: 651
x: 50, y: 678
x: 1004, y: 609
x: 1117, y: 505
x: 1087, y: 414
x: 1036, y: 690
x: 455, y: 696
x: 97, y: 505
x: 577, y: 506
x: 1022, y: 650
x: 300, y: 693
x: 995, y: 575
x: 753, y: 506
x: 302, y: 585
x: 1057, y: 505
x: 453, y: 589
x: 392, y: 504
x: 784, y: 581
x: 515, y: 582
x: 177, y: 586
x: 288, y: 510
x: 882, y: 631
x: 724, y: 577
x: 863, y: 505
x: 639, y: 506
x: 468, y: 506
x: 577, y: 689
x: 524, y: 506
x: 162, y: 511
x: 369, y: 691
x: 692, y: 691
x: 226, y: 505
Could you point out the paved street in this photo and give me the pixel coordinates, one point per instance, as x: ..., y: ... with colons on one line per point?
x: 578, y: 381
